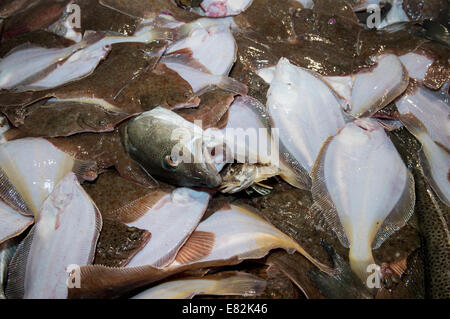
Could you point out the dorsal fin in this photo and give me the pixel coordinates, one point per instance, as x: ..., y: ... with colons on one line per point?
x: 400, y: 214
x: 324, y: 208
x: 15, y: 288
x: 198, y: 246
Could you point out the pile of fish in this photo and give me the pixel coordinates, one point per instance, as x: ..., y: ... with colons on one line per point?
x: 262, y: 149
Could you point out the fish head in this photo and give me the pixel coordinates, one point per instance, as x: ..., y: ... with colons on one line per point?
x: 237, y: 177
x: 171, y: 148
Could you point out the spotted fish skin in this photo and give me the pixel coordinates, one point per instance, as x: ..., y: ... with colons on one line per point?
x: 433, y: 217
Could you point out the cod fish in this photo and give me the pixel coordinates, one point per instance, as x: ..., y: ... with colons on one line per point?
x: 426, y: 114
x: 306, y: 112
x: 229, y: 283
x: 362, y: 189
x: 65, y: 234
x: 171, y: 148
x: 34, y: 167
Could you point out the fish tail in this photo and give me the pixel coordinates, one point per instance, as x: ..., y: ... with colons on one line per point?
x: 362, y: 262
x: 229, y: 84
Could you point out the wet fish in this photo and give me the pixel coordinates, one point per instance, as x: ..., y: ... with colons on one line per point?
x: 224, y: 8
x: 149, y: 9
x: 102, y: 86
x: 171, y: 221
x: 160, y: 86
x: 306, y: 112
x: 199, y: 77
x: 106, y: 150
x: 362, y: 92
x: 426, y: 114
x: 13, y: 222
x: 212, y: 109
x: 7, y: 251
x: 215, y: 242
x: 224, y: 284
x: 208, y: 246
x: 417, y: 65
x: 38, y: 15
x: 119, y: 243
x: 27, y: 63
x: 8, y: 8
x: 357, y: 164
x: 179, y: 152
x: 395, y: 15
x: 211, y: 42
x: 34, y: 166
x: 39, y: 267
x: 54, y: 118
x: 433, y: 216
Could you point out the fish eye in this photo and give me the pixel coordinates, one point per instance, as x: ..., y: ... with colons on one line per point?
x: 171, y: 162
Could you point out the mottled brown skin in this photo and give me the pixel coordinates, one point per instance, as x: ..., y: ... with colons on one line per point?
x: 100, y: 18
x: 160, y: 86
x: 213, y: 106
x: 9, y: 7
x: 433, y: 217
x: 188, y: 3
x: 111, y: 192
x: 409, y: 285
x: 272, y: 19
x: 427, y: 9
x: 35, y: 17
x: 119, y: 243
x: 328, y: 41
x: 149, y: 9
x: 289, y: 210
x: 39, y: 38
x: 124, y: 63
x: 106, y: 150
x: 55, y: 119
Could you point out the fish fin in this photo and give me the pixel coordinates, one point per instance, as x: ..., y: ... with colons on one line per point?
x: 323, y: 207
x: 197, y: 247
x: 85, y: 170
x: 136, y: 209
x: 185, y: 57
x: 399, y: 216
x: 413, y: 124
x: 294, y: 179
x: 10, y: 195
x: 15, y: 288
x: 112, y: 282
x: 229, y: 84
x: 21, y: 47
x: 232, y: 283
x: 426, y: 167
x: 417, y: 128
